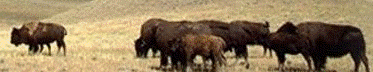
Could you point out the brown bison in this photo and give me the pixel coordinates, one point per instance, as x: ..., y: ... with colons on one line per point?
x: 334, y: 41
x: 238, y: 34
x: 287, y: 40
x: 146, y: 40
x: 208, y: 46
x: 39, y: 33
x: 156, y: 32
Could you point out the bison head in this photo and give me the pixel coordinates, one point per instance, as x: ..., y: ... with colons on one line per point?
x: 17, y: 37
x: 140, y: 48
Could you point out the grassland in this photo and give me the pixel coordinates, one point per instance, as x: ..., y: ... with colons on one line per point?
x: 101, y: 32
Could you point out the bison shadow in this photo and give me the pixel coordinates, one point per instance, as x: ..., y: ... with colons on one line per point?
x: 297, y: 69
x: 197, y: 68
x: 232, y: 57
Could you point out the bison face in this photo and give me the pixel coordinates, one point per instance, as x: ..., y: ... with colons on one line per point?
x: 16, y: 37
x: 140, y: 48
x: 175, y: 44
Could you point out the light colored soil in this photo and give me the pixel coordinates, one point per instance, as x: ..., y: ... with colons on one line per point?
x: 101, y: 32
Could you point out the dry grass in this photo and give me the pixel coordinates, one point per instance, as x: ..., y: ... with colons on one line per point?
x: 101, y: 32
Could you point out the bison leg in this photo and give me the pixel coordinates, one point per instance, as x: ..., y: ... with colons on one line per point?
x: 245, y: 55
x: 49, y: 49
x: 366, y: 63
x: 154, y: 50
x: 187, y: 67
x: 204, y: 63
x: 36, y: 48
x: 270, y: 52
x: 30, y: 49
x: 145, y: 53
x: 41, y: 48
x: 60, y: 44
x: 163, y: 60
x: 222, y: 59
x: 241, y: 51
x: 357, y: 59
x: 174, y: 61
x: 307, y: 58
x: 264, y: 51
x: 281, y: 60
x: 319, y: 61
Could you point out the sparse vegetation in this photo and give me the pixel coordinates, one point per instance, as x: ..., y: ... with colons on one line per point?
x: 101, y: 32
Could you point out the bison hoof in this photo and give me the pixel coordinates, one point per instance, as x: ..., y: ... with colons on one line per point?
x: 247, y: 66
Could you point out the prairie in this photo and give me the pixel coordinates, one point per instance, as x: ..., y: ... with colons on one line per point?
x: 101, y: 32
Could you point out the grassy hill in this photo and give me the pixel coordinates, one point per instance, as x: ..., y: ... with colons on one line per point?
x: 101, y: 32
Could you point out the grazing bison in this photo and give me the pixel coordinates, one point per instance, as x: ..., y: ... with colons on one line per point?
x: 146, y: 40
x: 208, y: 46
x: 147, y: 32
x: 155, y: 33
x: 334, y: 41
x: 287, y: 40
x: 39, y: 33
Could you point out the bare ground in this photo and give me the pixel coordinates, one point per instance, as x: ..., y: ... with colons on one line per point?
x: 101, y: 32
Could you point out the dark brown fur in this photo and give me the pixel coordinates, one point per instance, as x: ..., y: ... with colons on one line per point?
x: 287, y: 40
x: 42, y: 33
x: 156, y: 32
x: 208, y: 46
x: 335, y: 41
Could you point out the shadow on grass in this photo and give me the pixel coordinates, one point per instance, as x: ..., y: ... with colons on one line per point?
x: 197, y: 68
x: 294, y: 69
x: 231, y: 57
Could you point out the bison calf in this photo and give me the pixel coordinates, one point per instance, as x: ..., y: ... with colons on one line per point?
x: 39, y: 33
x: 208, y: 46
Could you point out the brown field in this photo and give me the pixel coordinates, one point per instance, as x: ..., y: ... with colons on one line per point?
x: 101, y: 32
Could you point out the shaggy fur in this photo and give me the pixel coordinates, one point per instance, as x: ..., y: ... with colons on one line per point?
x: 207, y: 46
x: 334, y: 41
x: 34, y: 34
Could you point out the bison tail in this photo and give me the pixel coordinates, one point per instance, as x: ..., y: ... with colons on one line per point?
x: 267, y: 24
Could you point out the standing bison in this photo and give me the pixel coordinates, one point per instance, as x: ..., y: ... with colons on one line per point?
x: 208, y: 46
x: 334, y: 41
x: 287, y: 40
x: 39, y: 33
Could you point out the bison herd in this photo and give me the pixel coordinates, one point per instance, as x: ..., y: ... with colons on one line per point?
x: 183, y: 40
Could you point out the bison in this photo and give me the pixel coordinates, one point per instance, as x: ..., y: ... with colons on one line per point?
x: 208, y: 46
x: 155, y: 33
x: 146, y: 40
x: 238, y: 34
x: 39, y: 33
x: 287, y: 40
x: 331, y: 40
